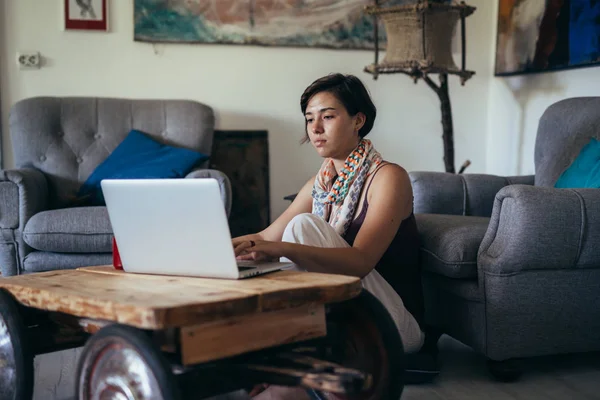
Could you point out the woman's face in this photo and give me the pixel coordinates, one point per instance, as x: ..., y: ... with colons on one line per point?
x: 331, y: 130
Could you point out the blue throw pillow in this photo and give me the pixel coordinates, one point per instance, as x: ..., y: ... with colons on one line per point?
x: 584, y: 172
x: 139, y: 157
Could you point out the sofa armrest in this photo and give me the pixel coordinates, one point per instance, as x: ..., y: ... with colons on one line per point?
x: 459, y: 194
x: 534, y: 228
x: 224, y: 183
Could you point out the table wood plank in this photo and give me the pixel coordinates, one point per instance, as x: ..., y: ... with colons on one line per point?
x: 127, y: 299
x: 238, y: 335
x: 157, y: 302
x: 275, y: 291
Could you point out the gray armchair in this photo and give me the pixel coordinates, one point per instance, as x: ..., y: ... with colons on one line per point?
x: 511, y: 265
x: 57, y: 144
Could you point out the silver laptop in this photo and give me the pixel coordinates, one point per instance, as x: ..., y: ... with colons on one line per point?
x: 175, y: 227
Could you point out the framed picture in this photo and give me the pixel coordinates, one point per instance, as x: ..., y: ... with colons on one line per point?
x: 86, y: 15
x: 539, y: 36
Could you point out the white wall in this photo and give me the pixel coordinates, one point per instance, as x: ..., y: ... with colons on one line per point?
x: 515, y: 106
x: 495, y: 119
x: 249, y: 87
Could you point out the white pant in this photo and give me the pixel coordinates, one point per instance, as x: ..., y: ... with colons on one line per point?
x: 311, y: 230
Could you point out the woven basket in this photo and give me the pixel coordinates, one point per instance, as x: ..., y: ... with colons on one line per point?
x: 419, y: 38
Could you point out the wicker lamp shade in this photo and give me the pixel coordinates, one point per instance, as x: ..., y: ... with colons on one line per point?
x: 419, y: 38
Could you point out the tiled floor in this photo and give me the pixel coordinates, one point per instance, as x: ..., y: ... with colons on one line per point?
x: 55, y: 375
x: 464, y: 377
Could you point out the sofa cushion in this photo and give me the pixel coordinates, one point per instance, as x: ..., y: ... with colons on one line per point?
x: 70, y: 230
x: 41, y: 261
x: 449, y: 243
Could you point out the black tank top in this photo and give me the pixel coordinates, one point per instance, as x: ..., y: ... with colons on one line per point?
x: 399, y: 265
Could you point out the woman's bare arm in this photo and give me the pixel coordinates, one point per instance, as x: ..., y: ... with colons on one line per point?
x: 390, y: 202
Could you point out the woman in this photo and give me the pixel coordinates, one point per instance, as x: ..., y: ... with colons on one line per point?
x: 355, y: 217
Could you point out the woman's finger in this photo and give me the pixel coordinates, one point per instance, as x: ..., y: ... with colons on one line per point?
x: 242, y: 245
x: 245, y: 257
x: 239, y: 249
x: 265, y: 250
x: 258, y: 389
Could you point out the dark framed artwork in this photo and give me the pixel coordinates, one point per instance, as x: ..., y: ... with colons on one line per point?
x: 86, y: 15
x: 547, y: 35
x: 339, y: 24
x: 244, y: 157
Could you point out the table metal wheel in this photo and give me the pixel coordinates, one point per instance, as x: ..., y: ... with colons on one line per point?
x: 365, y: 337
x: 16, y: 358
x: 122, y: 363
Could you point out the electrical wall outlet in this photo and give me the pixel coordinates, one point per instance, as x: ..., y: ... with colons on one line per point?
x: 29, y: 60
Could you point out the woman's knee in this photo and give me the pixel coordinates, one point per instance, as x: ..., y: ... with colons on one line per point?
x: 301, y: 226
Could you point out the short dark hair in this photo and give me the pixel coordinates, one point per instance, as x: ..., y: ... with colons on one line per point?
x: 350, y: 91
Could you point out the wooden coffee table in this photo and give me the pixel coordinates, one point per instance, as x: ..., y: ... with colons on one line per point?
x: 168, y: 337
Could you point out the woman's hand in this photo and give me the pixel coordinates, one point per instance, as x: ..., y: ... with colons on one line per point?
x: 258, y: 389
x: 261, y: 250
x: 241, y: 239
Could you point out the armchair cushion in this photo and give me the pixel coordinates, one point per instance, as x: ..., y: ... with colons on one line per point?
x: 449, y: 243
x: 70, y: 230
x: 139, y: 157
x: 584, y: 172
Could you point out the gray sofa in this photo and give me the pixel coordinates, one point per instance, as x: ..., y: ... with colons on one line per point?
x: 57, y: 144
x: 511, y: 265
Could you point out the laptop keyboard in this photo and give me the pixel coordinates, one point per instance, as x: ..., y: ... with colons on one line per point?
x: 246, y: 265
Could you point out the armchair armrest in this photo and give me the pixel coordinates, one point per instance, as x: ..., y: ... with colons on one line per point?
x: 23, y: 193
x: 459, y: 194
x: 224, y: 183
x: 535, y: 228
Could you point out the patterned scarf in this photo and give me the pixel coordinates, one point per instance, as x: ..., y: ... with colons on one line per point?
x: 336, y: 201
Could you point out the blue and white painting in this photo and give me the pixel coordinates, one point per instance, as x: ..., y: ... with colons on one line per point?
x: 339, y: 24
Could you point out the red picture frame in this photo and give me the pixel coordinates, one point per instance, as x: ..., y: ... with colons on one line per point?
x: 86, y: 15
